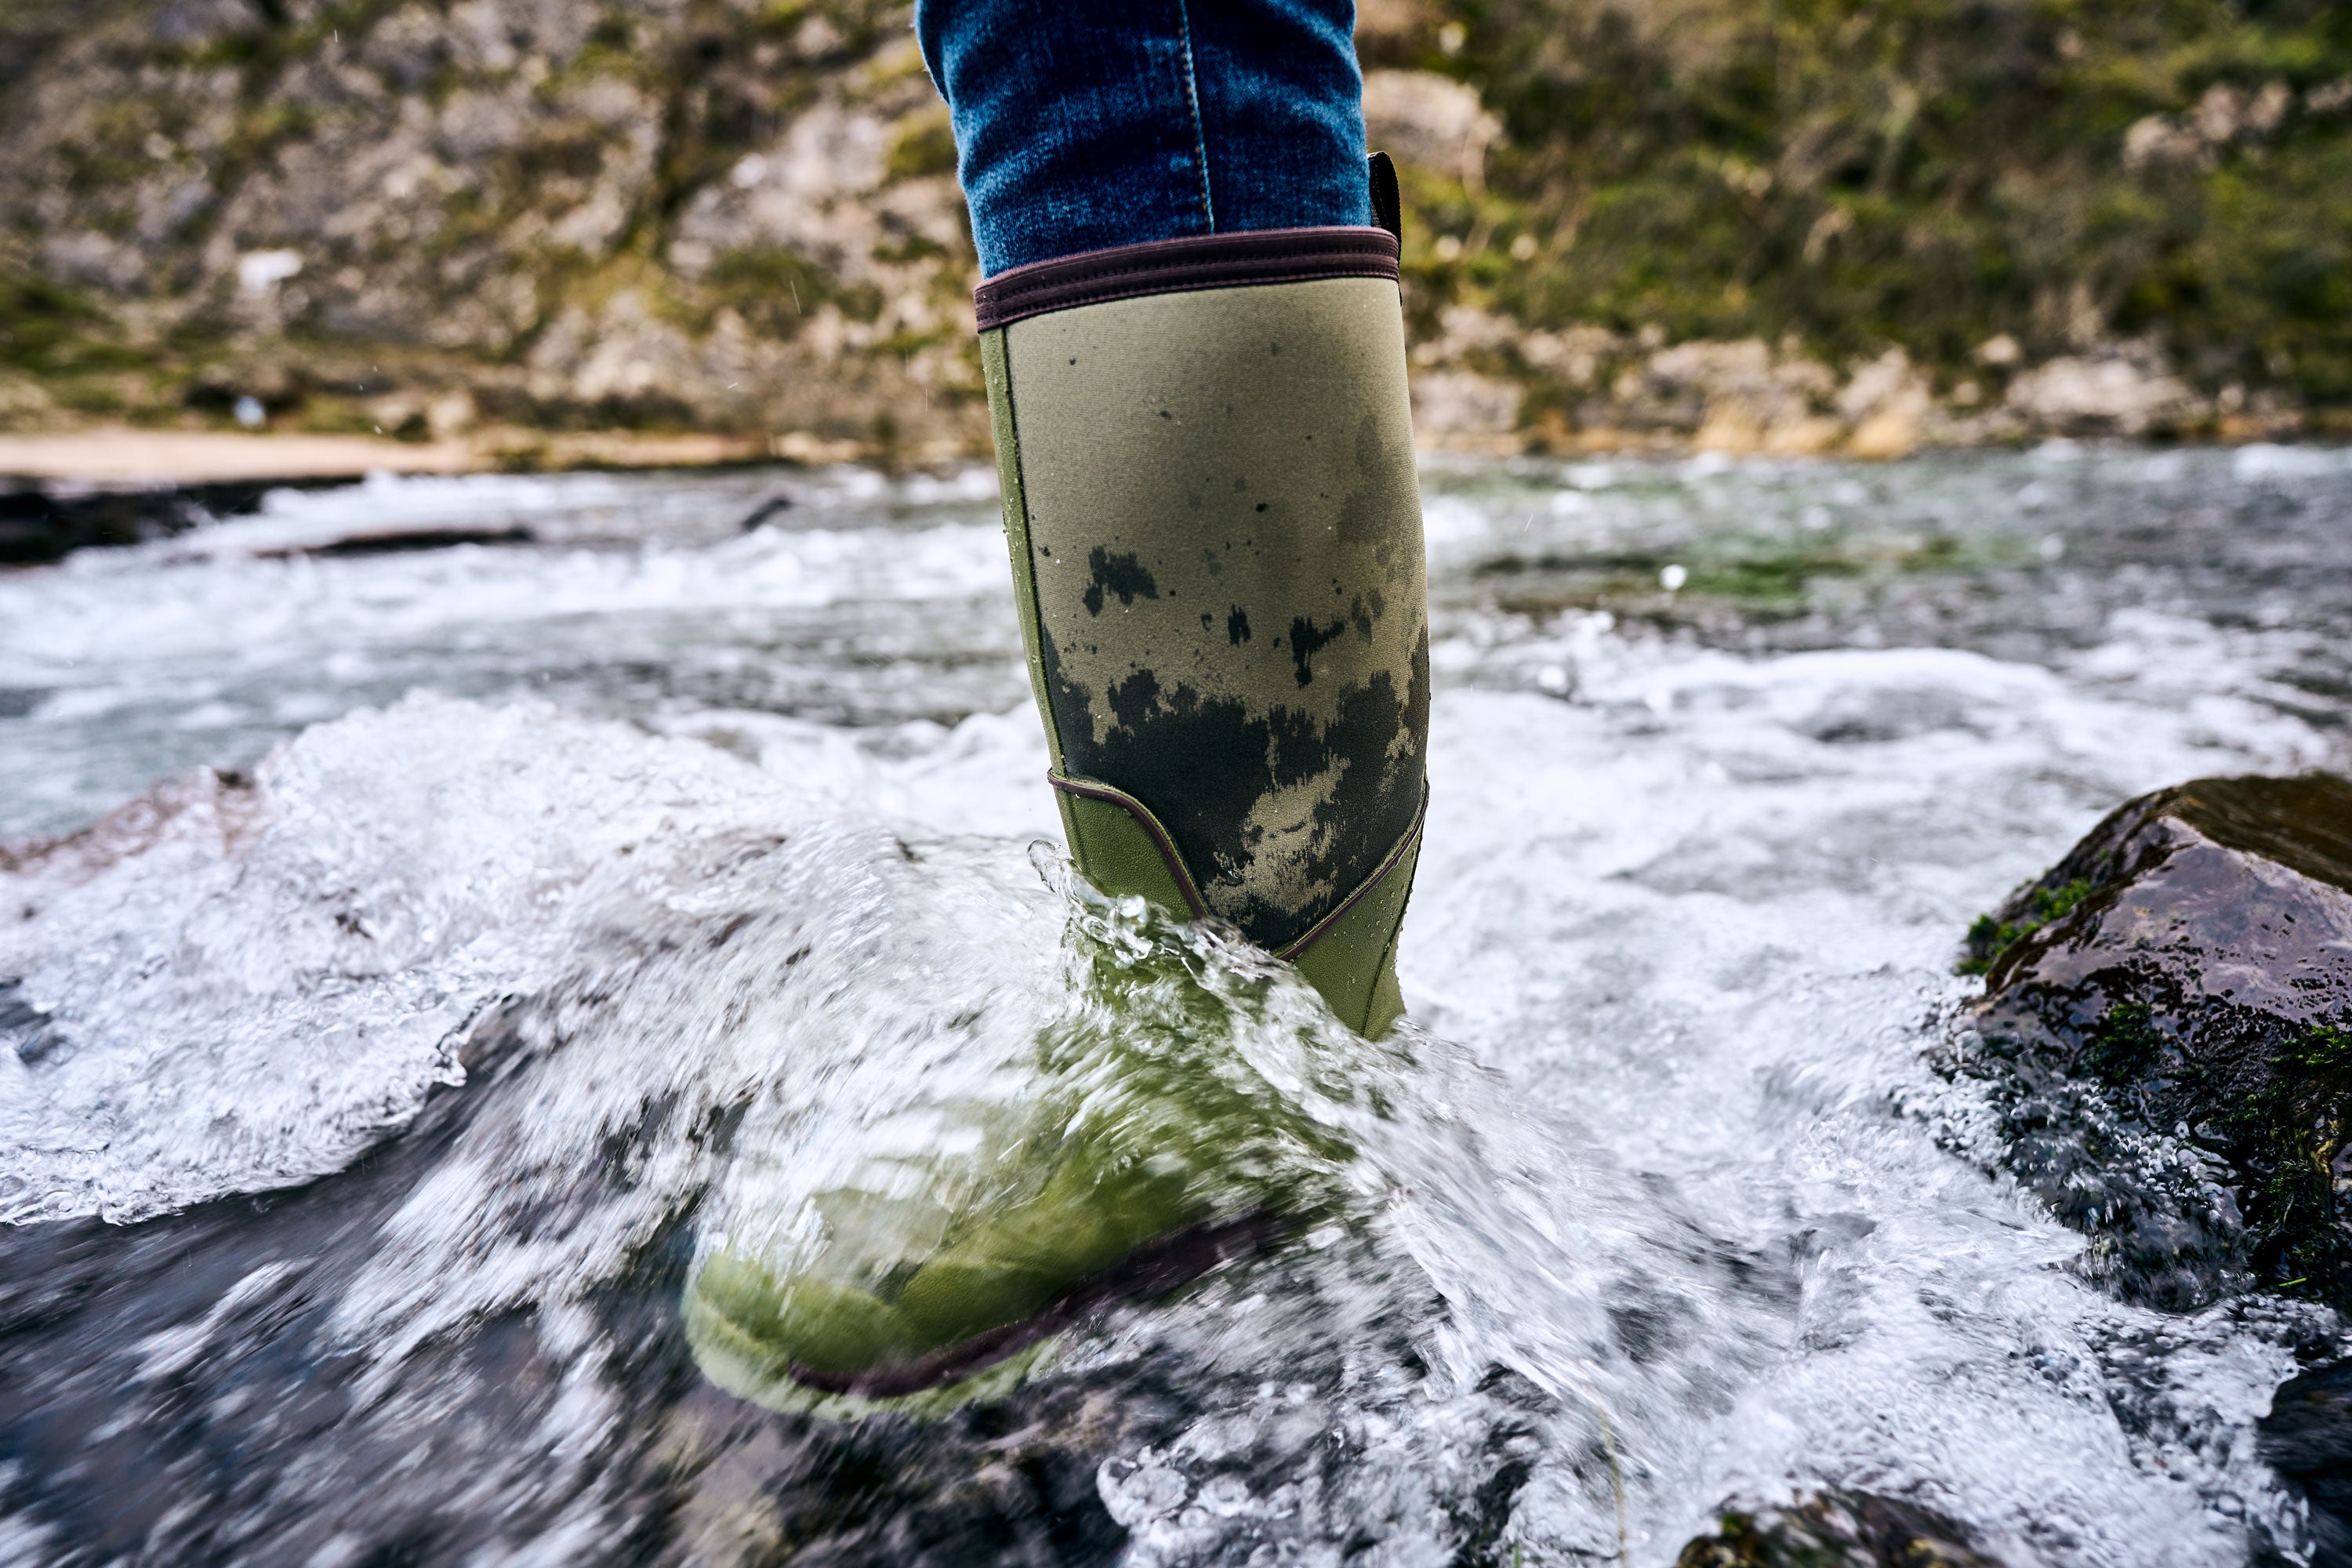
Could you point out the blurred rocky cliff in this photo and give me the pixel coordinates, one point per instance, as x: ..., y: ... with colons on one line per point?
x: 1810, y: 227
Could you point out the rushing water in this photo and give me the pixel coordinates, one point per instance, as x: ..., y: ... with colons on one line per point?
x: 513, y: 918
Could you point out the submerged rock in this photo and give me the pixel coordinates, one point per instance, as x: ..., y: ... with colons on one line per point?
x: 2307, y: 1437
x: 1842, y: 1529
x: 2167, y: 1036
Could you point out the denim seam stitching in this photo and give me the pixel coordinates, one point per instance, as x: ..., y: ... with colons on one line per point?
x: 1200, y: 131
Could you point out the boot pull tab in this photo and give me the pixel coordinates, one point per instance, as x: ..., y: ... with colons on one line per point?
x: 1388, y: 207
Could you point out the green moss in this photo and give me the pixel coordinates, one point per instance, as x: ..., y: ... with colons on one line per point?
x: 2124, y: 1045
x: 906, y: 249
x: 1988, y: 938
x: 2287, y: 1134
x: 1764, y: 574
x: 771, y: 287
x: 48, y: 331
x: 2323, y: 1050
x: 2280, y: 1120
x: 781, y: 18
x: 924, y: 145
x: 102, y: 398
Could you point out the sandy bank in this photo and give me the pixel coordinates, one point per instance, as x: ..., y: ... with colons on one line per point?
x: 125, y: 459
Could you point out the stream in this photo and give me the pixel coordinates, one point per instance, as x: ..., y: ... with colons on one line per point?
x: 435, y: 913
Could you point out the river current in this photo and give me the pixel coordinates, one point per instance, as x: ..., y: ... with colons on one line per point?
x: 433, y: 912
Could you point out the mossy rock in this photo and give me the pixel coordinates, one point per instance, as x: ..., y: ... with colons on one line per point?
x: 1838, y: 1529
x: 2167, y: 1034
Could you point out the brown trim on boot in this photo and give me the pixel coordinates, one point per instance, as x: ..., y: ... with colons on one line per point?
x: 1178, y: 266
x: 1087, y: 789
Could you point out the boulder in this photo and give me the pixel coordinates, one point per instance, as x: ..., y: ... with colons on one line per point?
x: 1430, y: 122
x: 1840, y: 1530
x: 2123, y: 393
x: 2166, y: 1039
x: 1457, y: 408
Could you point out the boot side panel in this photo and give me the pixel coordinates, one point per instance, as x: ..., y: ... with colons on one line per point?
x: 996, y: 369
x: 1353, y: 960
x: 1222, y: 529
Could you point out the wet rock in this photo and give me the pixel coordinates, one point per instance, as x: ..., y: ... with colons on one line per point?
x: 1840, y: 1530
x: 399, y: 541
x: 2166, y: 1039
x: 38, y: 525
x: 2307, y: 1437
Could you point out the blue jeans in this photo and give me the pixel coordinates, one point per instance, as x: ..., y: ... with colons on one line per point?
x: 1082, y: 124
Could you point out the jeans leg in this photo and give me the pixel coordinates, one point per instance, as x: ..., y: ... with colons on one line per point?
x: 1282, y: 112
x: 1080, y: 127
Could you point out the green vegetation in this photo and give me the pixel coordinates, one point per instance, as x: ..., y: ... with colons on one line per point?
x: 1764, y: 575
x: 775, y: 288
x: 2281, y: 1118
x: 2291, y: 1131
x: 2128, y: 1123
x: 53, y: 331
x: 925, y: 146
x: 1928, y: 173
x: 1988, y: 938
x: 2124, y: 1045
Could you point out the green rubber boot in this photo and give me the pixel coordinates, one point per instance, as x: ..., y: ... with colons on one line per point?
x: 1205, y: 449
x: 876, y: 1322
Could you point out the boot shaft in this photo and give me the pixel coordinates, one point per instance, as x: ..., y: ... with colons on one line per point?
x: 1206, y: 453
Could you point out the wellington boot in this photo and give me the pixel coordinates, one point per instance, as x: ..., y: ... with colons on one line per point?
x: 1205, y: 449
x: 954, y: 1325
x: 939, y: 1328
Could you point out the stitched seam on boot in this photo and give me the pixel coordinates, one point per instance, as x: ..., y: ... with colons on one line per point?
x: 1024, y: 562
x: 1089, y: 790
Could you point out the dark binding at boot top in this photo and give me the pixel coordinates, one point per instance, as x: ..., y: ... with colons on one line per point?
x: 1152, y: 1270
x: 1178, y: 265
